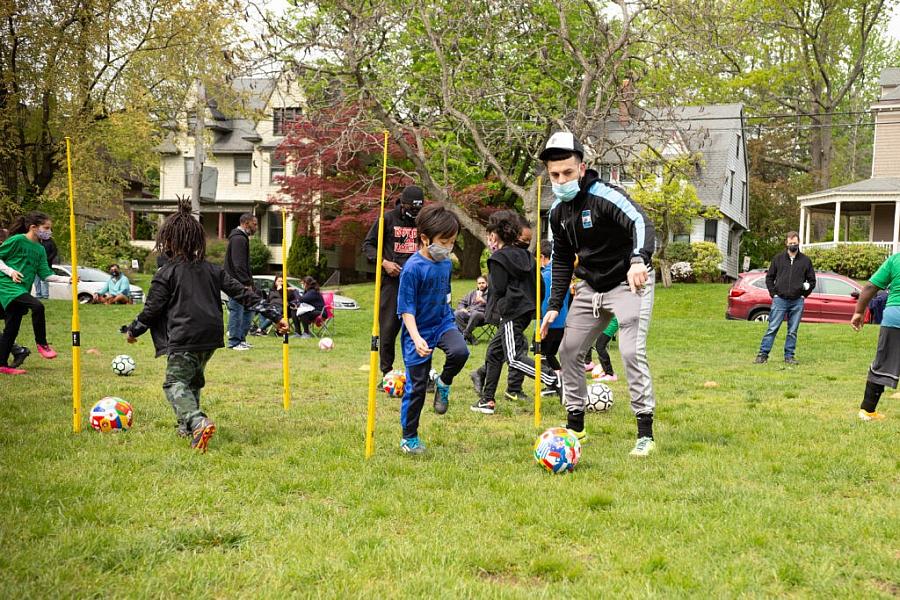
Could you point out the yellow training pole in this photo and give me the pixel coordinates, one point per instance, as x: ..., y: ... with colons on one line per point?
x: 76, y: 325
x: 285, y: 347
x: 537, y: 327
x: 373, y: 354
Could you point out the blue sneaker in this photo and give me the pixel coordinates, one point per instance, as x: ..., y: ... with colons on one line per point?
x: 441, y: 396
x: 412, y: 445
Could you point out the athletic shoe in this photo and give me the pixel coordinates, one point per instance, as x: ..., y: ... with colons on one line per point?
x: 761, y: 358
x: 581, y: 435
x: 202, y: 433
x: 240, y: 347
x: 412, y: 445
x: 871, y: 416
x: 483, y: 406
x: 588, y: 367
x: 477, y: 381
x: 246, y: 344
x: 608, y: 378
x: 182, y: 431
x: 790, y: 360
x: 441, y: 396
x: 46, y: 351
x: 519, y: 396
x: 11, y: 371
x: 643, y: 447
x: 19, y: 354
x: 306, y: 336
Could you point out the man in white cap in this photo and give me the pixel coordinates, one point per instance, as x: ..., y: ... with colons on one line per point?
x: 613, y: 240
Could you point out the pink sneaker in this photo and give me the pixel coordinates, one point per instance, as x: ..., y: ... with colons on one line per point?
x: 588, y: 367
x: 11, y: 371
x: 609, y: 378
x: 46, y: 351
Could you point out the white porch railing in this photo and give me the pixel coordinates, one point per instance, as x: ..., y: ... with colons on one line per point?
x: 886, y: 245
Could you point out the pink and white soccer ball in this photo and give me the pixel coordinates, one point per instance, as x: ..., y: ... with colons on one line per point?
x: 326, y: 344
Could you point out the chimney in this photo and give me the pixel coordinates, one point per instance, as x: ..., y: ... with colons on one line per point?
x: 626, y: 101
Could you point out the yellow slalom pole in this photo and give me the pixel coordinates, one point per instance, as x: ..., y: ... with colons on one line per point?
x: 373, y: 354
x: 285, y: 346
x: 537, y: 327
x: 76, y: 324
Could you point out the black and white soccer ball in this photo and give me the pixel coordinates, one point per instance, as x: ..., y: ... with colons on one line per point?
x: 600, y: 397
x: 123, y: 365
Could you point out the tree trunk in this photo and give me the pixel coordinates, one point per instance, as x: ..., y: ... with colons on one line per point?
x: 665, y: 269
x: 469, y: 254
x: 821, y: 150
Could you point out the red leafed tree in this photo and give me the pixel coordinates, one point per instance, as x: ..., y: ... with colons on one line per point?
x: 335, y: 160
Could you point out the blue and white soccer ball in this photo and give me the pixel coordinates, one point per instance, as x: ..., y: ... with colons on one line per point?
x: 123, y: 365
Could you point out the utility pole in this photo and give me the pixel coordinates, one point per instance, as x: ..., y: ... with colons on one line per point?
x: 199, y: 152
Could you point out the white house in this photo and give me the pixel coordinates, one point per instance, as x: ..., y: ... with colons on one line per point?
x: 240, y: 168
x: 878, y: 197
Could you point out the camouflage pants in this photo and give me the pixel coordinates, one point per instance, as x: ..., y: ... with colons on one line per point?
x: 184, y: 380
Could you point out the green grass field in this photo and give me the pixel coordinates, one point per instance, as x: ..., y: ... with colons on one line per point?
x: 765, y: 485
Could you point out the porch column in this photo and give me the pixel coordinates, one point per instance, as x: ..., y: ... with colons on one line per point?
x: 808, y: 226
x: 221, y: 225
x: 802, y: 229
x: 837, y: 221
x: 896, y: 226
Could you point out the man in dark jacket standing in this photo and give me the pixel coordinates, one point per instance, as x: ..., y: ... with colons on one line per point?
x: 237, y: 264
x: 401, y: 240
x: 790, y: 279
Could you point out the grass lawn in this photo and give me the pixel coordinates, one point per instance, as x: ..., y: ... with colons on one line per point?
x: 763, y: 485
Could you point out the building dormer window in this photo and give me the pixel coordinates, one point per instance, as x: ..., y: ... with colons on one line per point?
x: 283, y: 117
x: 276, y: 168
x: 242, y: 166
x: 188, y: 172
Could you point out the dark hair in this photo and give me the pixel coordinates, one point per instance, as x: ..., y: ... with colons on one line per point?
x: 114, y: 265
x: 4, y: 233
x: 792, y: 234
x: 506, y: 224
x: 546, y: 248
x: 481, y: 277
x: 24, y: 222
x: 181, y: 236
x: 309, y: 283
x: 437, y: 220
x: 523, y: 222
x: 554, y: 155
x: 247, y: 217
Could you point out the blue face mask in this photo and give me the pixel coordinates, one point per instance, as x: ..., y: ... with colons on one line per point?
x: 438, y: 252
x: 566, y: 191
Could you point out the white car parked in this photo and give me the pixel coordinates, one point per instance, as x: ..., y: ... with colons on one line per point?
x: 90, y: 282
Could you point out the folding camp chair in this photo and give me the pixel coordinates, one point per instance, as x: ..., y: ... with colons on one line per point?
x: 484, y: 333
x: 324, y: 323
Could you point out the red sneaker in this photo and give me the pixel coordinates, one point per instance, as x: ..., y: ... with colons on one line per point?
x: 46, y: 351
x: 11, y: 371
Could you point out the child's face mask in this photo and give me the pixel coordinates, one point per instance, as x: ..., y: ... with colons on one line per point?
x: 439, y: 252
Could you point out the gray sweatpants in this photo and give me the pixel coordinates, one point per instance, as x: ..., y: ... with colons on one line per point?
x: 588, y: 316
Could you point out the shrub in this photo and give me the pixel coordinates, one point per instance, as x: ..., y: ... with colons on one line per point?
x: 857, y: 261
x: 259, y: 256
x: 302, y: 259
x: 707, y: 258
x: 679, y: 252
x: 107, y: 243
x: 215, y: 251
x: 682, y: 271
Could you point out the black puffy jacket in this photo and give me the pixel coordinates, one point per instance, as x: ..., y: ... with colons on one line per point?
x: 785, y: 277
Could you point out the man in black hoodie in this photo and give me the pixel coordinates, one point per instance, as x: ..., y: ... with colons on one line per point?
x: 613, y: 240
x: 790, y: 279
x: 237, y: 264
x: 401, y: 241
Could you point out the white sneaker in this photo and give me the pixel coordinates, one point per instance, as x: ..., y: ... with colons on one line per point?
x: 870, y: 416
x: 246, y: 344
x: 643, y: 447
x: 240, y: 347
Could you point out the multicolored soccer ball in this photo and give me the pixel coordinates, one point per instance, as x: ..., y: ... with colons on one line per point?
x: 123, y: 365
x: 557, y: 450
x: 111, y: 414
x: 326, y: 344
x: 393, y: 383
x: 599, y: 398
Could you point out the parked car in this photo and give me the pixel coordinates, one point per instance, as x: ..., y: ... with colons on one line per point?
x: 264, y: 283
x: 90, y: 282
x: 833, y: 300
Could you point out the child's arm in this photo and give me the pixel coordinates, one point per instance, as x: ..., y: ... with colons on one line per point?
x: 422, y: 348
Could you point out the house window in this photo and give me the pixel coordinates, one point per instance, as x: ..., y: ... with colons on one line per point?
x: 282, y: 118
x: 276, y: 167
x: 730, y: 243
x: 682, y: 237
x: 731, y: 188
x: 614, y: 174
x: 242, y: 165
x: 737, y: 149
x: 711, y: 230
x: 605, y: 173
x: 625, y: 175
x: 276, y: 232
x: 188, y: 172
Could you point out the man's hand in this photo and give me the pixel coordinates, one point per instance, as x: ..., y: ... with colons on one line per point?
x: 637, y: 276
x: 422, y: 348
x: 548, y: 318
x: 856, y: 321
x: 391, y: 268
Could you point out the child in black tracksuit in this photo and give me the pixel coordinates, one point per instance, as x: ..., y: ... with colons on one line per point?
x: 511, y: 304
x: 183, y: 312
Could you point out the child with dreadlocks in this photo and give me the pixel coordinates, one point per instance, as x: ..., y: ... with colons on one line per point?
x: 183, y: 312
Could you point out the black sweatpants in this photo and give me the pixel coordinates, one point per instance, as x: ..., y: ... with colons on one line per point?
x: 389, y: 322
x: 509, y: 343
x: 15, y: 310
x: 603, y: 354
x: 550, y: 346
x: 456, y: 353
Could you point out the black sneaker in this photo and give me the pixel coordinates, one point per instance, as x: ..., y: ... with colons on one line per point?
x: 518, y: 396
x: 761, y: 358
x: 790, y: 360
x: 483, y: 406
x: 19, y: 354
x: 477, y: 381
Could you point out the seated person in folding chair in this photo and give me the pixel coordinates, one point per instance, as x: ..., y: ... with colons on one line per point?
x: 469, y: 312
x: 311, y: 306
x: 276, y: 299
x: 117, y: 289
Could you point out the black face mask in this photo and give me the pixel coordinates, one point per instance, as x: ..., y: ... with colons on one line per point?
x: 114, y: 273
x: 793, y: 248
x: 522, y: 244
x: 411, y: 211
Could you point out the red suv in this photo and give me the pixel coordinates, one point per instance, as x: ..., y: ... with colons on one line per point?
x: 833, y: 300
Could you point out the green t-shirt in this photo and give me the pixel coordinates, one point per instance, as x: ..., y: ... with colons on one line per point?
x: 612, y: 328
x: 28, y: 258
x: 887, y: 277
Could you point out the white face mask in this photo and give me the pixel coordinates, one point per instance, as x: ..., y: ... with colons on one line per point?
x: 438, y: 252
